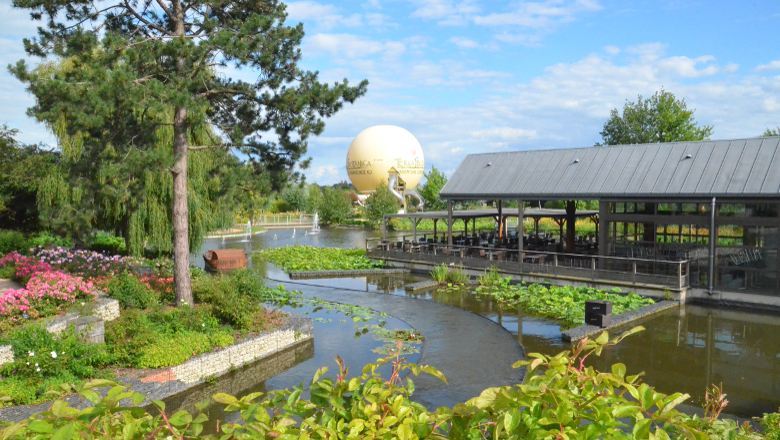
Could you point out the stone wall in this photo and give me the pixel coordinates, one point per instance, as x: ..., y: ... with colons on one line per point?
x: 6, y: 354
x: 294, y: 330
x: 106, y: 309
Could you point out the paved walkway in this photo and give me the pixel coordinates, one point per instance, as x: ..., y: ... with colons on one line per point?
x: 473, y: 353
x: 8, y: 284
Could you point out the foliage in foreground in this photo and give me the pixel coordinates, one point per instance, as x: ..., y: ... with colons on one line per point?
x: 561, y: 399
x: 563, y: 304
x: 310, y: 258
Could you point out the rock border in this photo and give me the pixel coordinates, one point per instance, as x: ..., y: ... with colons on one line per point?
x: 422, y: 285
x: 345, y: 273
x: 586, y: 331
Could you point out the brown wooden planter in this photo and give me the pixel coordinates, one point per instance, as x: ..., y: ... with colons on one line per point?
x: 225, y: 259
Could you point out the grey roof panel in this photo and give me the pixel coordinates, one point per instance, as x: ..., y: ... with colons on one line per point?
x: 771, y: 183
x: 744, y: 166
x: 696, y: 173
x: 723, y: 168
x: 658, y: 170
x: 713, y: 166
x: 764, y: 158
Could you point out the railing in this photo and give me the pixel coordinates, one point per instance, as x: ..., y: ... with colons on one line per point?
x: 279, y: 220
x: 674, y: 275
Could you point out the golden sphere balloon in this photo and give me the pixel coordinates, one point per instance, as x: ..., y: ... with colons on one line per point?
x: 377, y: 149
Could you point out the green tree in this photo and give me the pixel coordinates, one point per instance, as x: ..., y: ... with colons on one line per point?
x: 660, y: 118
x: 22, y: 168
x: 434, y: 182
x: 380, y: 203
x: 313, y: 198
x: 771, y: 132
x: 142, y: 64
x: 336, y: 206
x: 294, y: 197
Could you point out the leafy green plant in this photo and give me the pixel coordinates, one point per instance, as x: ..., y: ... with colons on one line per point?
x: 45, y: 238
x: 561, y: 399
x: 43, y: 360
x: 131, y: 292
x: 491, y: 278
x: 309, y: 258
x: 13, y: 241
x: 456, y: 275
x: 439, y: 273
x: 563, y: 304
x: 102, y: 241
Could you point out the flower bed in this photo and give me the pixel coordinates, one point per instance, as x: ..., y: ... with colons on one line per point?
x: 46, y: 293
x: 82, y: 262
x: 22, y: 268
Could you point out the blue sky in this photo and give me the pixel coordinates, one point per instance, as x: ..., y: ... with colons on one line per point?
x: 483, y: 75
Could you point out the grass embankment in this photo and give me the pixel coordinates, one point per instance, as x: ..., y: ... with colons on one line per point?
x: 309, y: 258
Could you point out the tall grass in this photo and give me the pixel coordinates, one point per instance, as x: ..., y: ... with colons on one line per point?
x: 444, y: 274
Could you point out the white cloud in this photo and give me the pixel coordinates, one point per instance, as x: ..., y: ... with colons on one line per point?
x: 504, y: 133
x: 685, y: 67
x: 539, y: 15
x: 324, y: 172
x: 774, y: 65
x: 464, y: 43
x: 612, y: 50
x: 324, y: 16
x: 448, y: 12
x: 351, y: 46
x: 524, y: 40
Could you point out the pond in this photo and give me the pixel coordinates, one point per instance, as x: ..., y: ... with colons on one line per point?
x: 683, y: 349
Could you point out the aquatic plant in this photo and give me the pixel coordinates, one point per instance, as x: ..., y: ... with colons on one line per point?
x: 449, y: 275
x: 300, y: 258
x: 565, y: 304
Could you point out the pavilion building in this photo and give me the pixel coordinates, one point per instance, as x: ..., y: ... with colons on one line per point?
x: 698, y: 219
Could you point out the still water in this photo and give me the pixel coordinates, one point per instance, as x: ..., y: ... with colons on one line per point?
x: 681, y: 350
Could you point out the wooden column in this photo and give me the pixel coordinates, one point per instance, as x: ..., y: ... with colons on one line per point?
x: 500, y: 219
x: 434, y: 228
x: 449, y: 223
x: 414, y: 228
x: 603, y: 228
x: 520, y: 233
x: 571, y: 224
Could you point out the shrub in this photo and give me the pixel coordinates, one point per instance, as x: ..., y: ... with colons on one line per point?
x: 229, y: 305
x: 107, y: 242
x: 47, y: 238
x: 43, y: 361
x: 13, y: 241
x: 167, y: 351
x: 132, y: 292
x: 158, y: 337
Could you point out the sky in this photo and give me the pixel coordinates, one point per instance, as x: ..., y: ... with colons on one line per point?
x: 471, y: 76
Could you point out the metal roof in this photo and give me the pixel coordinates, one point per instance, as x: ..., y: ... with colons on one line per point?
x: 730, y: 169
x: 482, y: 213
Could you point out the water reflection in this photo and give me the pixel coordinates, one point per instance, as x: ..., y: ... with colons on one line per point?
x: 683, y: 349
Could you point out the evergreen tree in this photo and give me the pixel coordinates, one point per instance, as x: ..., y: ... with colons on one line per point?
x: 380, y: 203
x: 144, y: 64
x: 434, y: 182
x: 660, y: 118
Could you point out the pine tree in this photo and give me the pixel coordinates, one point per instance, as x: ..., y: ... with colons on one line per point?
x: 143, y: 64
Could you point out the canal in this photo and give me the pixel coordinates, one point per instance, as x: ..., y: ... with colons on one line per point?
x: 682, y: 350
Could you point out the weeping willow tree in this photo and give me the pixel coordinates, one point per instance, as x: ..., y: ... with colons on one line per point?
x: 130, y: 192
